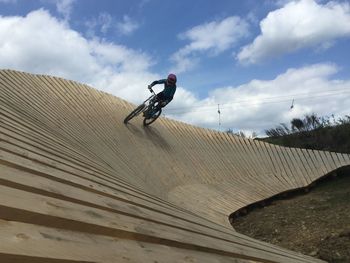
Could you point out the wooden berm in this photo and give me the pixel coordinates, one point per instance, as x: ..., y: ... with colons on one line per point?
x: 77, y: 185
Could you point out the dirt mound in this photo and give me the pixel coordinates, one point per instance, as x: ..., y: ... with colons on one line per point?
x: 316, y: 223
x: 335, y: 248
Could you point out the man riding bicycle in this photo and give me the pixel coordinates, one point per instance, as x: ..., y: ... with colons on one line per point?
x: 152, y: 107
x: 167, y: 94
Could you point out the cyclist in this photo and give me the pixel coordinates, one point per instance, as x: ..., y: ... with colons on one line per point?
x: 167, y: 94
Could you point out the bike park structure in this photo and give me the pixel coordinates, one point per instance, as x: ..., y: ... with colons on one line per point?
x: 77, y: 185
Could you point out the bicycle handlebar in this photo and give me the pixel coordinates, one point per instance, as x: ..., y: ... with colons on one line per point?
x: 151, y: 90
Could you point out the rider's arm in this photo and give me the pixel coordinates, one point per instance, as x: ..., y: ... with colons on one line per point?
x: 161, y: 81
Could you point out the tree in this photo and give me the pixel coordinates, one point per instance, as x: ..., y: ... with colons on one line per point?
x: 229, y: 131
x: 297, y: 124
x: 311, y: 122
x: 280, y: 130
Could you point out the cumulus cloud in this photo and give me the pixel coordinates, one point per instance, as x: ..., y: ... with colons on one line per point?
x: 63, y: 7
x: 8, y: 1
x: 127, y: 25
x: 280, y: 2
x: 40, y: 43
x: 261, y: 104
x: 213, y: 38
x: 102, y: 23
x: 298, y: 25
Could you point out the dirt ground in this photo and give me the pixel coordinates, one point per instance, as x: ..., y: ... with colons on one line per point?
x: 315, y: 224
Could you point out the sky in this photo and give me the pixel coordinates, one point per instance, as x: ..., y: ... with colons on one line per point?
x: 251, y: 59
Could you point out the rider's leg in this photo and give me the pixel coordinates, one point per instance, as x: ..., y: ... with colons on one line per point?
x: 156, y: 102
x: 162, y: 100
x: 163, y: 103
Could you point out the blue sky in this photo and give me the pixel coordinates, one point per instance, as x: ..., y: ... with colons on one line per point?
x: 251, y: 57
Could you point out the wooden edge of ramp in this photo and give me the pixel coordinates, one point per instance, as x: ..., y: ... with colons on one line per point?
x: 77, y: 185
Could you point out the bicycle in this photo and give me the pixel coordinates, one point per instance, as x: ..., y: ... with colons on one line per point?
x: 150, y: 108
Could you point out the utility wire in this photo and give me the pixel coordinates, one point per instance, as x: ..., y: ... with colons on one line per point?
x: 300, y: 96
x: 271, y: 98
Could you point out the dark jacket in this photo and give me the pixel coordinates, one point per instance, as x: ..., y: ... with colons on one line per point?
x: 168, y: 91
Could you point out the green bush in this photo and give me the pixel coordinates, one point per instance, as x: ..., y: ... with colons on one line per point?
x: 312, y: 132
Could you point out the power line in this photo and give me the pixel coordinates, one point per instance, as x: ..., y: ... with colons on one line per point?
x: 300, y: 96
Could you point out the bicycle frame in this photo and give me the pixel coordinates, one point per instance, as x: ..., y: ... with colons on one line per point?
x: 147, y: 102
x: 144, y: 108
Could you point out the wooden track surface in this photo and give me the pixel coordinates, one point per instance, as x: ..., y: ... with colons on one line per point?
x: 77, y: 185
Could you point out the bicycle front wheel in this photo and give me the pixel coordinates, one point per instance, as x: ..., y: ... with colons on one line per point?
x: 134, y: 113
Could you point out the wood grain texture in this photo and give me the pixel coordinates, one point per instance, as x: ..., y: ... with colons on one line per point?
x: 77, y: 185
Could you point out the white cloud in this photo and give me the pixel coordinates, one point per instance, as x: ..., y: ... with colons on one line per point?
x: 297, y: 25
x: 65, y: 7
x: 281, y: 2
x: 105, y: 21
x: 213, y: 38
x: 8, y: 1
x: 262, y: 104
x: 40, y: 43
x: 102, y: 23
x: 127, y: 26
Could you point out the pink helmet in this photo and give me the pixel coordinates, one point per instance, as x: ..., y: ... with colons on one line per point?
x: 171, y: 79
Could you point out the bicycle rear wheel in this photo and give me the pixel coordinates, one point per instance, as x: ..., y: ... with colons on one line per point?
x: 134, y: 113
x: 148, y: 121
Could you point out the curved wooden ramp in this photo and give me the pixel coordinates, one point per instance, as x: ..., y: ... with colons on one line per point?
x: 77, y: 185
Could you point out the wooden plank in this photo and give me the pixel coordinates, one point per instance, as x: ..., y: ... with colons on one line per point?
x: 20, y: 179
x: 266, y: 167
x: 52, y: 212
x: 128, y: 198
x: 34, y: 242
x: 277, y: 167
x: 65, y: 143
